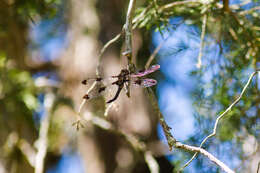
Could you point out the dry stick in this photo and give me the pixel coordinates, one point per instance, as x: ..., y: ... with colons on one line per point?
x: 151, y: 162
x: 151, y: 58
x: 258, y: 167
x: 249, y: 11
x: 128, y: 31
x: 128, y: 41
x: 204, y: 23
x: 166, y: 129
x: 221, y: 116
x: 172, y: 142
x: 28, y: 151
x: 42, y: 142
x: 205, y: 153
x: 170, y: 5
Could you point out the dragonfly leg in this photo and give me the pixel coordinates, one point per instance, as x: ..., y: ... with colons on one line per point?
x: 117, y: 94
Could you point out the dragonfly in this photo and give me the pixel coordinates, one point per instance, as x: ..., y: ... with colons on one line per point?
x: 121, y: 80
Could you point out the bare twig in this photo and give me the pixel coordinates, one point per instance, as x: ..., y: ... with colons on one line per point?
x: 151, y: 58
x: 151, y: 162
x: 166, y: 129
x: 203, y: 31
x: 221, y: 116
x: 172, y: 142
x: 205, y: 153
x: 28, y: 151
x: 245, y: 12
x: 128, y: 31
x: 128, y: 41
x: 42, y: 142
x: 141, y: 16
x: 176, y: 3
x: 258, y: 168
x: 110, y: 42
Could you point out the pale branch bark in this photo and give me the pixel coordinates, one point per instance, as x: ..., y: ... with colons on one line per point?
x: 128, y: 41
x: 155, y: 52
x: 176, y: 3
x: 218, y: 5
x: 110, y: 42
x: 249, y: 10
x: 202, y: 151
x: 128, y: 31
x: 203, y: 31
x: 28, y: 151
x: 166, y: 129
x: 172, y: 142
x: 222, y: 115
x: 151, y: 162
x: 42, y: 141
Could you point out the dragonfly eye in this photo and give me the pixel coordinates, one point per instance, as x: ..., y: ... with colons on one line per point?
x: 138, y: 82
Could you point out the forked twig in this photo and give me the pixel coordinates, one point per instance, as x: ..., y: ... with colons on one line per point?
x: 151, y: 58
x: 42, y: 141
x: 175, y: 3
x: 202, y: 151
x: 172, y: 142
x: 221, y: 116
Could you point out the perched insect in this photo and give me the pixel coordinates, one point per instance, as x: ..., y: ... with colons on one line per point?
x: 124, y: 77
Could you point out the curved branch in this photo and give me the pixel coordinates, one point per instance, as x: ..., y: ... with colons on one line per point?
x: 222, y: 115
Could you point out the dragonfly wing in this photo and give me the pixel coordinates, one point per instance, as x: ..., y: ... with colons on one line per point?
x: 145, y: 82
x: 147, y: 71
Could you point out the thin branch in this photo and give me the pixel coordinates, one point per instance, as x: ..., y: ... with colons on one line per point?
x: 205, y: 153
x: 203, y: 31
x: 110, y: 42
x: 42, y: 142
x: 258, y: 168
x: 28, y: 151
x: 221, y: 116
x: 128, y: 31
x: 172, y: 142
x: 128, y: 41
x: 151, y: 162
x: 176, y: 3
x: 155, y: 52
x: 166, y: 129
x: 141, y: 16
x: 245, y: 12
